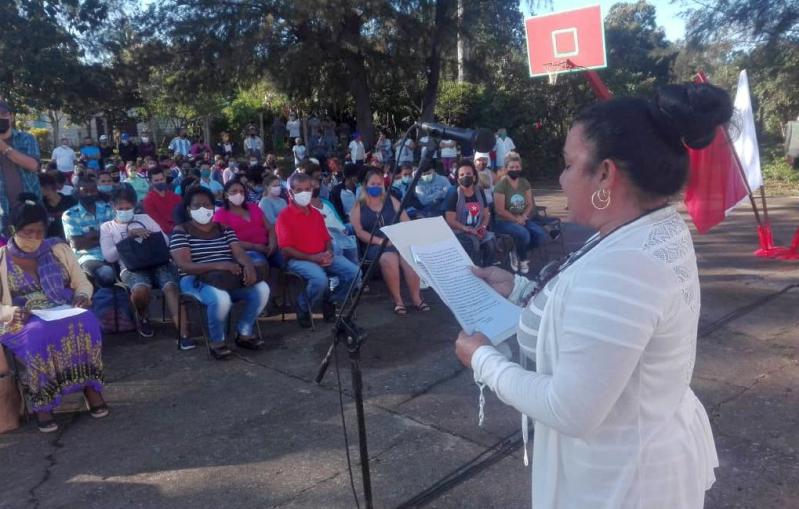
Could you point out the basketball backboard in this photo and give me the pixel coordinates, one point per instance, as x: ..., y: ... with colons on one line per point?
x: 566, y: 41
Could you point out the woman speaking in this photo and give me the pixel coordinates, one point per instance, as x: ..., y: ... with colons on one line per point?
x: 612, y: 328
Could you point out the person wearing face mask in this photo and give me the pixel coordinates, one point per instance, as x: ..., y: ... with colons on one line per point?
x: 230, y: 172
x: 307, y: 247
x: 127, y: 223
x: 64, y: 157
x: 207, y: 182
x: 376, y: 209
x: 180, y: 144
x: 482, y: 164
x: 430, y: 191
x: 401, y: 184
x: 225, y: 147
x: 106, y: 151
x: 514, y: 206
x: 255, y: 234
x: 19, y: 164
x: 272, y: 203
x: 128, y: 151
x: 55, y: 203
x: 468, y: 215
x: 160, y: 201
x: 82, y: 231
x: 343, y: 195
x: 60, y: 356
x: 293, y: 127
x: 203, y: 249
x: 146, y: 146
x: 90, y: 154
x: 343, y: 243
x: 138, y: 181
x: 503, y: 146
x: 105, y: 186
x: 113, y: 170
x: 253, y: 144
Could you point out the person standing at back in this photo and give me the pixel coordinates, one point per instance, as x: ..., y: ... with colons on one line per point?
x: 180, y: 144
x: 90, y: 153
x: 19, y: 164
x: 253, y: 144
x: 147, y: 147
x: 503, y: 146
x: 64, y: 157
x: 293, y: 127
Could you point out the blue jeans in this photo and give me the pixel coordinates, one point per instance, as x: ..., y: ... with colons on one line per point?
x: 316, y: 280
x: 526, y: 237
x: 219, y: 303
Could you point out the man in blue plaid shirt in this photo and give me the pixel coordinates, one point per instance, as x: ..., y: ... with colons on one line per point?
x: 19, y: 165
x: 82, y: 231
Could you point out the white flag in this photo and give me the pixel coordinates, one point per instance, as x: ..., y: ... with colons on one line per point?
x: 746, y: 143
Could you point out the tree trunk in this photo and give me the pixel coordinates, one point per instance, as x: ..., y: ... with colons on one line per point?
x: 359, y: 86
x: 433, y: 70
x: 54, y: 121
x: 461, y: 45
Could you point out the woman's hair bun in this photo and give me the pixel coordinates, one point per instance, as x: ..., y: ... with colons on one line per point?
x: 690, y: 113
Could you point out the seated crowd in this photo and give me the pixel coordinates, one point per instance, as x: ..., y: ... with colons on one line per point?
x: 216, y: 229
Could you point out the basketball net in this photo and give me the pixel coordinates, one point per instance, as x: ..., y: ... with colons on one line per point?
x: 553, y: 70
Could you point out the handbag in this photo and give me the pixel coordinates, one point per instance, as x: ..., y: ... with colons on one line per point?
x: 221, y: 279
x: 140, y: 253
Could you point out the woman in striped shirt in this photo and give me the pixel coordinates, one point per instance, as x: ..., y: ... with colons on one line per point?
x: 612, y: 329
x: 202, y: 248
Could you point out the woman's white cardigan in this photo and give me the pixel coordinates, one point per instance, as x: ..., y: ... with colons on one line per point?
x: 616, y: 423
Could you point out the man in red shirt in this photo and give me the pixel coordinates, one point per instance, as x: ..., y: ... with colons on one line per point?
x: 307, y: 248
x: 160, y: 202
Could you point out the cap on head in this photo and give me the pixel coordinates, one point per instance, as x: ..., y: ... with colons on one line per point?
x: 104, y: 137
x: 481, y: 155
x: 124, y: 136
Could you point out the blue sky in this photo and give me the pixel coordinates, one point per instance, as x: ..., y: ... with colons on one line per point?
x: 667, y: 13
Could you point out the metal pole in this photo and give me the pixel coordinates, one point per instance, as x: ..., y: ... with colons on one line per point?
x: 742, y: 173
x: 357, y: 389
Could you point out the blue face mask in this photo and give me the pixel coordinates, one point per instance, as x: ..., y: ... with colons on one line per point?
x: 125, y: 216
x: 374, y: 191
x: 105, y: 188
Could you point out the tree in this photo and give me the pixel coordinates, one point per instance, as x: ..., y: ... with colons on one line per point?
x: 639, y: 56
x: 750, y: 22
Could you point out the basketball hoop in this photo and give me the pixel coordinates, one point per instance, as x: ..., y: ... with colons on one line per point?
x: 553, y: 69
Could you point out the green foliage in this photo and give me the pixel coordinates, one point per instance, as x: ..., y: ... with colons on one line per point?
x: 42, y: 136
x: 458, y: 102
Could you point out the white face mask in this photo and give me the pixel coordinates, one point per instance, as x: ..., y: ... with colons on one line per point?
x: 428, y: 177
x: 274, y: 190
x: 202, y: 215
x: 303, y: 199
x: 145, y: 139
x: 125, y: 216
x: 236, y: 199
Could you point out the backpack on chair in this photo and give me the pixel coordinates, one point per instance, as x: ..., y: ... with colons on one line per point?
x: 112, y: 308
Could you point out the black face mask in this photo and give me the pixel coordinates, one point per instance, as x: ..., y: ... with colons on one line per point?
x: 466, y: 181
x: 5, y: 125
x: 88, y: 201
x: 514, y: 174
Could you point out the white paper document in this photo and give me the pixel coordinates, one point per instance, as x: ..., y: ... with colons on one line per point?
x: 57, y: 313
x: 431, y: 248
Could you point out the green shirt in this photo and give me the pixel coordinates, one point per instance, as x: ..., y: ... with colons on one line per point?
x: 515, y: 199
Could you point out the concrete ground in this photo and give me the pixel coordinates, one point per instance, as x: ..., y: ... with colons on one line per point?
x: 186, y: 431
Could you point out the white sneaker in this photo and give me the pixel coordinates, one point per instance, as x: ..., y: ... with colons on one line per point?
x: 514, y: 261
x: 524, y: 267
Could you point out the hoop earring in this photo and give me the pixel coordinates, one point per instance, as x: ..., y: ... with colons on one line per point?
x: 602, y: 197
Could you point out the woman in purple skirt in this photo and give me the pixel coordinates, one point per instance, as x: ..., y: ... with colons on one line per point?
x: 61, y: 356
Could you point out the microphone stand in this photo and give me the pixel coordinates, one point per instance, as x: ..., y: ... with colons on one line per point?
x: 347, y: 331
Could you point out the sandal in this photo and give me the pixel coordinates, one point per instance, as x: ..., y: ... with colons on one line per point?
x: 99, y: 411
x: 423, y: 307
x: 46, y: 425
x: 249, y: 343
x: 221, y: 352
x: 400, y: 310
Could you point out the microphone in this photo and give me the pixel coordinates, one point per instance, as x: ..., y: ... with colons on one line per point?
x: 482, y: 140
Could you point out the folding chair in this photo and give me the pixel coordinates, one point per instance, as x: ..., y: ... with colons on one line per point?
x: 185, y: 300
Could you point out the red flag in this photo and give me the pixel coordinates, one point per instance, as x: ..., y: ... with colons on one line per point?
x: 715, y: 184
